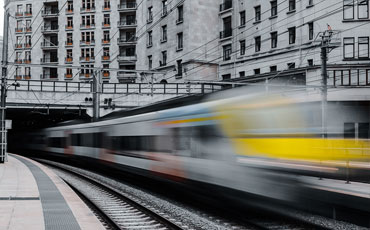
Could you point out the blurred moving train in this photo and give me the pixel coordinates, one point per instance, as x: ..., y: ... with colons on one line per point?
x: 255, y: 143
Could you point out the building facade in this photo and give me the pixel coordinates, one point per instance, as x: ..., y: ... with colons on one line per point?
x: 279, y: 38
x: 176, y: 38
x: 50, y: 36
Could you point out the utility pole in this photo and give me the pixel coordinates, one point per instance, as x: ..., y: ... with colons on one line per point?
x: 3, y: 132
x: 326, y: 47
x: 96, y: 95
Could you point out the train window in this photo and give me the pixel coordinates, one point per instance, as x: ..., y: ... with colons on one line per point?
x: 76, y: 139
x: 57, y: 142
x: 363, y: 130
x: 349, y: 130
x: 133, y: 143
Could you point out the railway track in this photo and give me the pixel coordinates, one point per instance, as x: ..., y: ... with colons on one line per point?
x: 119, y: 211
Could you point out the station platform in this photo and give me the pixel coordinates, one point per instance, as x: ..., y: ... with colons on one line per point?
x: 32, y: 196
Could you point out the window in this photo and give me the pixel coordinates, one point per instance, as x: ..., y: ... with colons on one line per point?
x: 150, y: 38
x: 28, y: 40
x: 18, y: 56
x: 348, y: 9
x: 274, y: 39
x: 164, y: 33
x: 242, y: 47
x: 291, y: 65
x: 310, y: 62
x: 349, y: 47
x: 363, y: 47
x: 69, y: 39
x: 164, y: 58
x: 292, y: 5
x: 242, y: 74
x: 29, y: 9
x: 69, y: 22
x: 310, y: 2
x: 106, y: 20
x: 28, y: 24
x: 105, y: 52
x: 242, y: 18
x: 106, y: 36
x: 226, y: 77
x: 179, y: 41
x: 257, y: 71
x: 180, y: 14
x: 88, y: 36
x: 27, y: 72
x: 363, y: 130
x: 273, y: 8
x: 257, y: 13
x: 106, y: 4
x: 69, y: 53
x: 27, y: 56
x: 179, y: 68
x: 150, y: 14
x: 363, y: 9
x: 227, y: 52
x: 164, y: 7
x: 291, y: 35
x: 150, y: 61
x: 19, y: 25
x: 257, y: 43
x: 70, y: 6
x: 19, y: 9
x: 310, y: 31
x: 273, y: 68
x: 19, y: 40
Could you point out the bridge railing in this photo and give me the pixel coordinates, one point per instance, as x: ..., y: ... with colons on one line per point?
x: 115, y: 88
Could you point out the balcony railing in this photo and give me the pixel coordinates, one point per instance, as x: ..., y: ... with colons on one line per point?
x: 68, y: 60
x: 18, y: 61
x: 49, y: 76
x: 226, y: 33
x: 19, y: 29
x: 18, y: 77
x: 50, y: 29
x: 28, y: 29
x: 106, y: 25
x: 226, y: 5
x: 105, y: 57
x: 127, y: 58
x: 27, y: 77
x: 69, y: 27
x: 106, y: 7
x: 18, y: 14
x: 87, y: 59
x: 49, y: 60
x: 87, y: 10
x: 124, y: 22
x: 69, y: 11
x: 106, y: 74
x: 68, y: 76
x: 127, y: 41
x: 127, y: 6
x: 27, y: 45
x: 84, y: 26
x: 49, y: 44
x: 69, y: 43
x: 105, y: 41
x: 28, y: 13
x: 85, y: 75
x: 87, y: 43
x: 27, y: 60
x: 53, y: 12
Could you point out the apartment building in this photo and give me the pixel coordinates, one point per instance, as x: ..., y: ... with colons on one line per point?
x: 60, y: 38
x: 177, y: 40
x: 281, y: 39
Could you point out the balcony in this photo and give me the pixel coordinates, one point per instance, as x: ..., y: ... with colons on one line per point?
x: 50, y: 29
x: 18, y: 14
x: 49, y: 60
x: 87, y: 10
x: 69, y: 43
x: 126, y: 23
x: 106, y: 74
x: 226, y: 33
x: 126, y: 58
x: 29, y: 29
x: 27, y: 77
x: 85, y: 76
x: 127, y: 41
x: 49, y: 76
x: 27, y: 60
x: 87, y: 59
x: 126, y: 76
x: 226, y: 6
x: 49, y: 45
x: 18, y: 77
x: 27, y: 45
x: 68, y: 60
x: 87, y: 43
x: 105, y: 58
x: 128, y: 6
x: 105, y: 41
x: 18, y: 61
x: 28, y: 13
x: 90, y: 26
x: 69, y: 27
x: 50, y: 13
x: 19, y: 30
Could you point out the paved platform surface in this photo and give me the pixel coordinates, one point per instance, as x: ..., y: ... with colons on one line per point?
x: 33, y: 197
